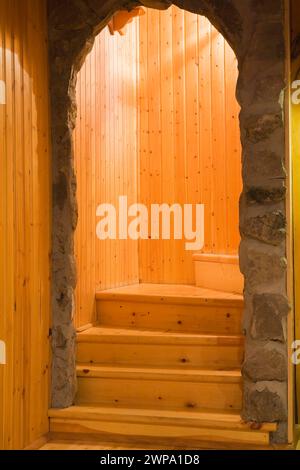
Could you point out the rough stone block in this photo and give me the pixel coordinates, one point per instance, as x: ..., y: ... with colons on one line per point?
x: 265, y: 362
x: 261, y: 127
x: 281, y: 435
x: 265, y: 402
x: 63, y: 369
x: 269, y: 228
x: 267, y: 7
x: 60, y: 191
x: 262, y: 164
x: 268, y: 312
x: 268, y: 88
x: 158, y: 4
x: 261, y: 268
x: 268, y: 41
x: 259, y: 195
x: 260, y: 83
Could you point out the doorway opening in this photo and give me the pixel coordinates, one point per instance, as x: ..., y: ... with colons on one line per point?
x: 158, y: 123
x: 159, y: 317
x: 258, y: 40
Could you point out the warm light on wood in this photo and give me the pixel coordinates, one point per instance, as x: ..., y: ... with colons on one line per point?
x: 24, y: 222
x: 158, y: 122
x: 2, y: 353
x: 295, y: 149
x: 106, y: 164
x: 2, y: 92
x: 189, y: 139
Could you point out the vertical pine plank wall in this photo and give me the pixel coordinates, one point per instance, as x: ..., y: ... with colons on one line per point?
x: 106, y: 163
x: 157, y: 121
x: 24, y: 222
x: 295, y: 143
x: 189, y: 140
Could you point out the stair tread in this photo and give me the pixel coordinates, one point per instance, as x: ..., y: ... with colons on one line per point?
x: 170, y: 293
x: 127, y: 335
x: 151, y: 373
x: 204, y: 418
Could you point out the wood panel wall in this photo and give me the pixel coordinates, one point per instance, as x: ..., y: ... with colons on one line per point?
x: 24, y: 223
x: 189, y: 138
x: 295, y: 149
x: 106, y: 163
x: 158, y: 121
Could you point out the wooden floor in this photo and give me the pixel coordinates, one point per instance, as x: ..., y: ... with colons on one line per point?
x: 62, y: 443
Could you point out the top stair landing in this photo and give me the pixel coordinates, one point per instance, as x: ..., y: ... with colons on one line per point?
x: 167, y: 307
x: 170, y: 292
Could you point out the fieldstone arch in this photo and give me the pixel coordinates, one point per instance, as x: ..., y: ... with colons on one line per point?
x: 255, y: 30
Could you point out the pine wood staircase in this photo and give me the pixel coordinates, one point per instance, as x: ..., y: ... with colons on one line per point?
x: 162, y: 366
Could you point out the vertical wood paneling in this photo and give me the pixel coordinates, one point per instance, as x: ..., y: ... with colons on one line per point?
x: 295, y: 150
x: 158, y: 122
x: 24, y: 223
x: 106, y: 164
x: 189, y: 135
x: 167, y: 132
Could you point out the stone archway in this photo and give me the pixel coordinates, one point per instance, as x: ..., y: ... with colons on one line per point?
x: 255, y: 30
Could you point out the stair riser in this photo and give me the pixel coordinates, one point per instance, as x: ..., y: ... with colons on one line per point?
x: 159, y: 394
x: 207, y: 357
x: 202, y: 319
x: 155, y: 434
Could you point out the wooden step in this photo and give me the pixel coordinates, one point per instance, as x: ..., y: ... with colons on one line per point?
x: 162, y: 388
x: 118, y: 346
x: 172, y: 308
x: 145, y: 425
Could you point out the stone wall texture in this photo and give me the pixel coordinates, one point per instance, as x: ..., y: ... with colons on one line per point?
x: 255, y: 30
